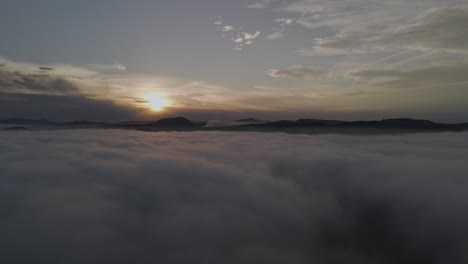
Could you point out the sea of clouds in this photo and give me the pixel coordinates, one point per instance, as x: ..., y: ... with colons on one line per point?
x: 116, y: 196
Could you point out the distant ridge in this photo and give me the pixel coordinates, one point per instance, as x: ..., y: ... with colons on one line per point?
x: 402, y: 123
x: 407, y: 122
x: 85, y: 123
x: 16, y: 128
x: 250, y: 120
x: 24, y: 121
x: 301, y: 126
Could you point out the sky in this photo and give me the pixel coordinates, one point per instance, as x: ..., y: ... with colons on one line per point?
x: 209, y: 59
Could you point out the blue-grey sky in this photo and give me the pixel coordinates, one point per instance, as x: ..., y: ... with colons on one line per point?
x: 348, y: 59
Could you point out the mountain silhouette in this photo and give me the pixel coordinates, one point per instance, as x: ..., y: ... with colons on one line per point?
x: 250, y: 120
x: 24, y: 121
x: 16, y: 128
x: 304, y: 126
x: 177, y: 122
x: 385, y: 123
x: 407, y: 122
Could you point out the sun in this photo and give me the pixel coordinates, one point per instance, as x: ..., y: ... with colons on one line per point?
x: 156, y: 102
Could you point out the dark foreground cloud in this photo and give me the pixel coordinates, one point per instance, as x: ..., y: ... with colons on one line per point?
x: 129, y: 197
x: 64, y: 107
x: 38, y: 83
x: 46, y: 68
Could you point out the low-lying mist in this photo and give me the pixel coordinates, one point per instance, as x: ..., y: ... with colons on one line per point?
x: 116, y: 196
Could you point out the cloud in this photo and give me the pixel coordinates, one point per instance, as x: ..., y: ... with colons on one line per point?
x: 36, y: 83
x: 84, y: 89
x: 245, y: 39
x: 227, y: 28
x: 53, y: 70
x: 106, y: 196
x: 440, y: 76
x: 441, y: 28
x: 117, y: 92
x: 277, y: 35
x: 284, y: 21
x: 56, y: 85
x: 65, y: 92
x: 238, y: 37
x: 438, y: 29
x: 46, y: 68
x: 116, y: 66
x: 250, y: 36
x: 220, y: 26
x: 262, y: 5
x: 367, y: 25
x: 280, y: 32
x: 65, y: 108
x: 299, y: 73
x: 219, y: 21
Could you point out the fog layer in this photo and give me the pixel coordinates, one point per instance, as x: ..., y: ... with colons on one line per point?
x: 112, y: 196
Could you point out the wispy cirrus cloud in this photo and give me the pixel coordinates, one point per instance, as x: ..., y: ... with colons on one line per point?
x: 446, y: 75
x: 299, y: 73
x: 442, y: 28
x: 279, y: 32
x: 116, y: 66
x: 262, y: 4
x: 365, y: 25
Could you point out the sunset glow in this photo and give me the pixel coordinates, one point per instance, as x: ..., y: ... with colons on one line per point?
x: 156, y: 102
